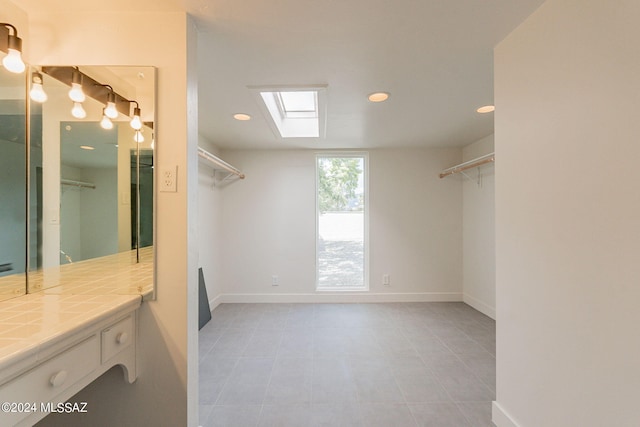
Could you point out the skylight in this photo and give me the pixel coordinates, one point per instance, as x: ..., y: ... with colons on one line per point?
x: 295, y: 112
x: 297, y: 105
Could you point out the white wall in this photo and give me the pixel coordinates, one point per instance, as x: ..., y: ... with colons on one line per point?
x: 567, y: 96
x: 166, y: 390
x: 210, y: 227
x: 415, y: 227
x: 99, y: 213
x: 88, y: 217
x: 478, y: 229
x: 70, y: 219
x: 52, y: 115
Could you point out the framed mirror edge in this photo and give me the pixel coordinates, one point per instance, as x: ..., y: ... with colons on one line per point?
x: 14, y: 135
x: 146, y: 293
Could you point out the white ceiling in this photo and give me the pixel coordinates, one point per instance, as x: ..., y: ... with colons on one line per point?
x: 433, y: 56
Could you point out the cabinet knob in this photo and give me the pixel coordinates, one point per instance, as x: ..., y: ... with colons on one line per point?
x: 58, y: 379
x: 122, y: 338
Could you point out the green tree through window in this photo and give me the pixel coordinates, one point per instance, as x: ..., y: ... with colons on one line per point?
x: 337, y: 184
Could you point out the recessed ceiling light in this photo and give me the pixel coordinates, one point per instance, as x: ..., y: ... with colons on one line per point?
x: 378, y: 97
x: 242, y: 117
x: 87, y: 147
x: 486, y: 109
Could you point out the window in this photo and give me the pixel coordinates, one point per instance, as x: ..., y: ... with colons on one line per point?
x: 294, y: 112
x: 341, y: 222
x: 297, y: 105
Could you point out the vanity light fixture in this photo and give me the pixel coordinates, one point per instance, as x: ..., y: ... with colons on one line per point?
x: 76, y: 94
x: 37, y: 93
x: 78, y: 111
x: 135, y: 122
x: 11, y: 44
x: 110, y: 110
x: 106, y: 122
x: 83, y: 86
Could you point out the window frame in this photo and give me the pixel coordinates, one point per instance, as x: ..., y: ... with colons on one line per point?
x: 344, y: 154
x: 296, y: 114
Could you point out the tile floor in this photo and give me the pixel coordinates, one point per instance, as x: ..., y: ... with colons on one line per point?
x: 396, y: 364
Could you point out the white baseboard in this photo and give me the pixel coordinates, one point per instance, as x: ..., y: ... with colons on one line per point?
x: 342, y: 297
x: 500, y: 418
x: 214, y: 302
x: 479, y: 305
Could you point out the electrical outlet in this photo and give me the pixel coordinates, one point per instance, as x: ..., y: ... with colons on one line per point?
x: 385, y: 280
x: 274, y: 280
x: 168, y: 180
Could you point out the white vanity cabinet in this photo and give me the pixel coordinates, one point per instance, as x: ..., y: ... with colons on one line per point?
x: 38, y: 373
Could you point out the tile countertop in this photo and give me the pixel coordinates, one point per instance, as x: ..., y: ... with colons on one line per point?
x: 12, y: 286
x: 107, y: 275
x: 30, y: 322
x: 68, y: 298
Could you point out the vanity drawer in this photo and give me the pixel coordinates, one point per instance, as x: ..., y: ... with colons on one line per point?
x: 117, y: 337
x: 43, y: 383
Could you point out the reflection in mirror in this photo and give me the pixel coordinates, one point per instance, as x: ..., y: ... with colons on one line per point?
x: 93, y: 216
x: 88, y: 191
x: 142, y: 180
x: 12, y: 185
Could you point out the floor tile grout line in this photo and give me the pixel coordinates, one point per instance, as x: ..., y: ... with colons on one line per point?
x: 474, y: 374
x: 435, y: 377
x: 457, y: 405
x: 399, y: 322
x: 226, y: 381
x: 455, y: 402
x: 457, y: 356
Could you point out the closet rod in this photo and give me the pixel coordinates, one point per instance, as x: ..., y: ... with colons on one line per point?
x: 219, y: 162
x: 474, y: 163
x: 77, y: 183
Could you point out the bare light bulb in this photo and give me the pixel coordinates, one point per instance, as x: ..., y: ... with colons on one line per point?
x: 110, y: 110
x: 106, y: 122
x: 78, y: 111
x: 138, y: 137
x: 76, y: 94
x: 136, y: 123
x: 37, y: 93
x: 13, y: 61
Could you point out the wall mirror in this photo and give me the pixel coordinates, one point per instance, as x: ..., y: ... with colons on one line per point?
x: 91, y: 207
x: 13, y: 228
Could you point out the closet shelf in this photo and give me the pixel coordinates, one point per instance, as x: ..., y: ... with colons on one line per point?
x: 80, y: 184
x: 474, y: 163
x: 220, y: 165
